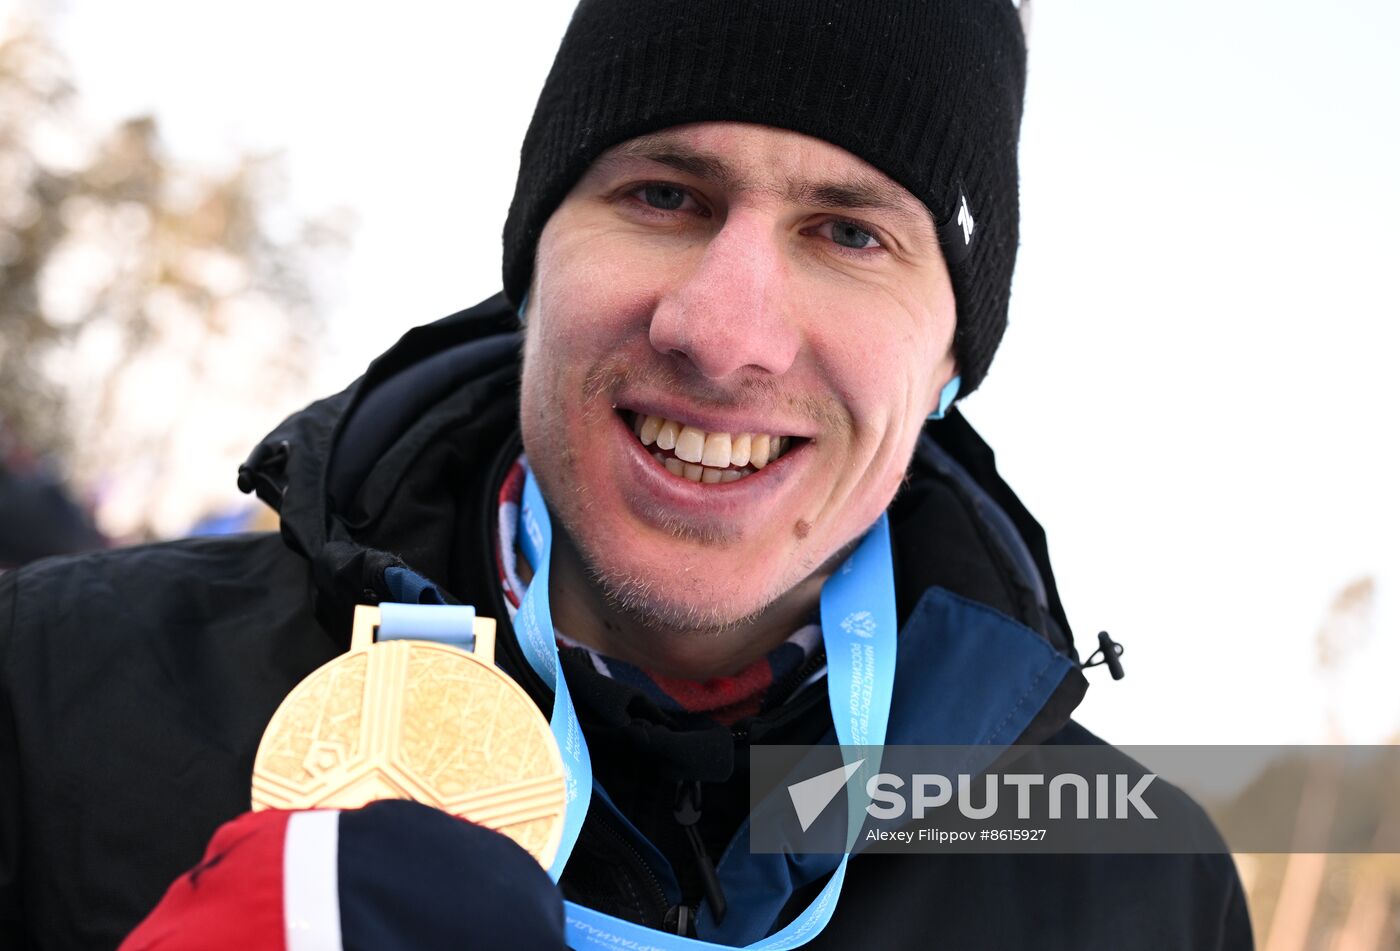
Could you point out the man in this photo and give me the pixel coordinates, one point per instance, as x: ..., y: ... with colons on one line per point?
x: 754, y: 247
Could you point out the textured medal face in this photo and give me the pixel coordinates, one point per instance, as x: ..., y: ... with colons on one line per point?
x: 416, y: 720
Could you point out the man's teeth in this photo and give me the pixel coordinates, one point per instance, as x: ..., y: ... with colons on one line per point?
x: 666, y: 434
x: 707, y: 457
x: 715, y: 449
x: 739, y: 449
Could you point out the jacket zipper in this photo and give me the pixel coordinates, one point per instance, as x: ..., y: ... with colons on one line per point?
x: 808, y: 667
x: 678, y: 916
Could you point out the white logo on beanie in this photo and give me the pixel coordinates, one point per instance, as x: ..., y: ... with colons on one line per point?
x: 965, y: 219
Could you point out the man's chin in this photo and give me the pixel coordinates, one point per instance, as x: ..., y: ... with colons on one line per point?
x: 641, y: 602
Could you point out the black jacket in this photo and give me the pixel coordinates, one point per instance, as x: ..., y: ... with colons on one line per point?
x: 135, y: 685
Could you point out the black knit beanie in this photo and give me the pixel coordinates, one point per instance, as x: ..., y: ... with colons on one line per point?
x: 927, y: 91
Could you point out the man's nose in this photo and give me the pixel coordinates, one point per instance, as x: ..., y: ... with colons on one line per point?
x: 733, y: 309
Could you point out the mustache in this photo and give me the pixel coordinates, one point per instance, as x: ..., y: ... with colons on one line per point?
x: 749, y: 391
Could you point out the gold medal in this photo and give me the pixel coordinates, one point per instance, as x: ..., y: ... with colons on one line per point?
x: 408, y: 719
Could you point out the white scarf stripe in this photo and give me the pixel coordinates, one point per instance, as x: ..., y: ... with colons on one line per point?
x: 310, y: 881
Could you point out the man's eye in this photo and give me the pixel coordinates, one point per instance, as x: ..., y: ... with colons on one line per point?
x: 664, y: 197
x: 850, y: 235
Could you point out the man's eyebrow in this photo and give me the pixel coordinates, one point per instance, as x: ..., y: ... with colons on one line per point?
x: 863, y: 192
x: 680, y: 157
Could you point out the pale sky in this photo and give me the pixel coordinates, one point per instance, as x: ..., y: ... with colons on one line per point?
x: 1194, y: 396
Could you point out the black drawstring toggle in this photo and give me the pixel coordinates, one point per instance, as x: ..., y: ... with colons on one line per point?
x: 1108, y: 653
x: 688, y: 815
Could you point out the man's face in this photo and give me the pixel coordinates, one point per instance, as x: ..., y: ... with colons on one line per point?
x: 739, y: 285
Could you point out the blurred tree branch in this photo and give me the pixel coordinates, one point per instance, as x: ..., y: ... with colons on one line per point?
x: 138, y: 294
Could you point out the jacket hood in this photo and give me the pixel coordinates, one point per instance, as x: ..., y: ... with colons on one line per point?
x: 363, y: 480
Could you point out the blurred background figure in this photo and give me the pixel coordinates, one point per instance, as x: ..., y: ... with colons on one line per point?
x: 38, y: 517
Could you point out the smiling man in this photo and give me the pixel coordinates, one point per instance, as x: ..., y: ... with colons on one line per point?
x: 735, y: 335
x: 756, y: 251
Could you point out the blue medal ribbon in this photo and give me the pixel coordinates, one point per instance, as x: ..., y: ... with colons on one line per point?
x: 859, y: 628
x: 534, y: 631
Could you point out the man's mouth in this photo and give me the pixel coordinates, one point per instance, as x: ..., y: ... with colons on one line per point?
x: 709, y: 457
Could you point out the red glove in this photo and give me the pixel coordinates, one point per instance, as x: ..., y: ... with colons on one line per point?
x: 393, y: 875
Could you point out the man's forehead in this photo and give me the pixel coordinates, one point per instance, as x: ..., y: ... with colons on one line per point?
x: 799, y: 169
